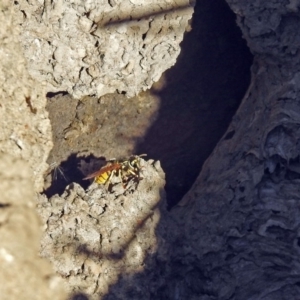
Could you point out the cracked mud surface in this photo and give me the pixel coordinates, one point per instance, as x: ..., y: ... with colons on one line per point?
x: 100, y: 47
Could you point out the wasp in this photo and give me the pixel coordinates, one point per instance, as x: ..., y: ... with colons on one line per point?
x: 105, y: 174
x: 125, y: 169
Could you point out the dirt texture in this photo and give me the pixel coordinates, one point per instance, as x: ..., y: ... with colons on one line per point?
x: 24, y: 274
x: 25, y: 142
x: 100, y: 47
x: 95, y: 236
x: 25, y: 127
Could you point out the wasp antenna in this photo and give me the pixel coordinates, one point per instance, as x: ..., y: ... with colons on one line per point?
x: 60, y: 170
x: 57, y: 170
x: 111, y: 159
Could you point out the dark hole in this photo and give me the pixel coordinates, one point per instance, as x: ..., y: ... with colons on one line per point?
x: 24, y: 14
x: 51, y: 94
x: 242, y: 199
x: 277, y: 168
x: 291, y: 175
x: 66, y: 173
x: 202, y: 93
x: 229, y: 135
x: 293, y: 163
x: 242, y: 188
x: 79, y: 296
x: 295, y: 160
x: 280, y: 233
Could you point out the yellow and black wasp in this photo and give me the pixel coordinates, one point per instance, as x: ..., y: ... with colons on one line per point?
x: 125, y: 169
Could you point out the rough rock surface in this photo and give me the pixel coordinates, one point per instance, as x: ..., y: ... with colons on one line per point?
x: 270, y: 28
x: 94, y: 236
x: 99, y: 47
x: 25, y: 128
x: 24, y: 274
x: 25, y: 135
x: 240, y: 220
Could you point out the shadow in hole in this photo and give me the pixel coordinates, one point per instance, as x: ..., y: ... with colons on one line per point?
x: 52, y: 94
x: 79, y: 296
x: 68, y: 172
x: 202, y: 93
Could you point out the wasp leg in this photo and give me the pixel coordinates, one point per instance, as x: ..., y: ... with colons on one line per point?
x: 124, y: 179
x: 120, y: 175
x: 109, y: 183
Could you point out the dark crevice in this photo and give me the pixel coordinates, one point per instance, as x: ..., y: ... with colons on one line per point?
x: 202, y: 93
x: 53, y: 94
x: 66, y: 173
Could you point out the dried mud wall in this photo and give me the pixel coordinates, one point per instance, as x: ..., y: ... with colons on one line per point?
x: 99, y: 47
x: 25, y: 142
x: 96, y: 236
